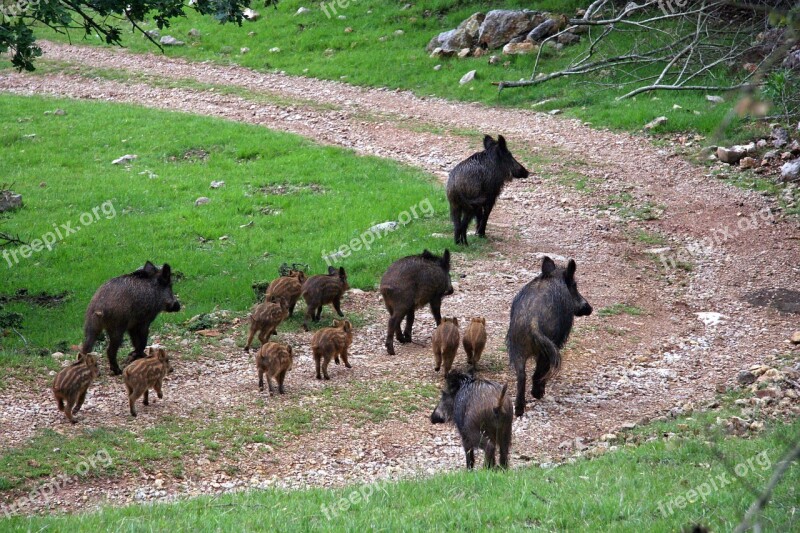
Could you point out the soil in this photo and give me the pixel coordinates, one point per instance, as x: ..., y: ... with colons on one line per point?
x: 620, y: 367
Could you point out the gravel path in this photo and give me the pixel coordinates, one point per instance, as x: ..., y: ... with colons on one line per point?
x: 618, y: 368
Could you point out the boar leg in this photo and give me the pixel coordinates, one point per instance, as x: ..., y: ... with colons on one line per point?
x: 344, y: 358
x: 139, y: 336
x: 519, y: 406
x: 409, y: 325
x: 336, y: 305
x: 318, y: 313
x: 79, y: 403
x: 68, y: 411
x: 291, y: 307
x: 146, y: 400
x: 483, y: 217
x: 269, y: 384
x: 488, y: 455
x: 436, y: 305
x: 437, y: 359
x: 538, y: 380
x: 157, y: 388
x: 503, y: 444
x: 470, y: 453
x: 325, y: 364
x: 448, y: 362
x: 317, y: 362
x: 394, y: 324
x: 114, y: 342
x: 253, y: 334
x: 59, y: 401
x: 260, y: 379
x: 280, y: 379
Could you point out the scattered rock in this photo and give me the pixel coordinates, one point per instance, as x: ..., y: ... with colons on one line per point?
x: 251, y: 14
x: 203, y: 200
x: 780, y: 137
x: 217, y: 184
x: 795, y: 338
x: 568, y: 38
x: 348, y: 30
x: 194, y: 32
x: 493, y: 60
x: 399, y: 32
x: 655, y: 123
x: 747, y: 162
x: 466, y: 78
x: 772, y: 154
x: 464, y: 36
x: 790, y: 171
x: 153, y: 34
x: 745, y: 378
x: 762, y: 143
x: 169, y: 40
x: 243, y: 50
x: 733, y: 154
x: 302, y: 10
x: 463, y: 53
x: 274, y: 50
x: 771, y: 375
x: 543, y: 31
x: 383, y: 226
x: 714, y: 99
x: 710, y: 318
x: 628, y: 425
x: 124, y: 159
x: 554, y: 112
x: 9, y: 200
x: 437, y: 67
x: 518, y: 48
x: 500, y: 26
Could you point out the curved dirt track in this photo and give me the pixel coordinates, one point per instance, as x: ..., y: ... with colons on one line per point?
x: 618, y: 368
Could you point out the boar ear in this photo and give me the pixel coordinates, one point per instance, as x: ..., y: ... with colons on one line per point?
x: 501, y: 142
x: 446, y: 259
x: 342, y: 273
x: 488, y: 142
x: 426, y: 254
x: 571, y: 266
x: 150, y: 269
x: 331, y: 270
x: 548, y: 266
x: 166, y: 274
x: 483, y: 321
x: 455, y: 321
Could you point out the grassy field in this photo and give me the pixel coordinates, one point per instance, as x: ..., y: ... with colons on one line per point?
x: 385, y: 47
x: 682, y: 472
x: 284, y: 200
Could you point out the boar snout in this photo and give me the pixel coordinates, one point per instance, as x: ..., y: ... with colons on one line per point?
x: 173, y: 306
x: 584, y: 310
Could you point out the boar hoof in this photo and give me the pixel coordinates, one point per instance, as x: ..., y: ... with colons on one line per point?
x: 390, y: 349
x: 348, y: 365
x: 319, y: 377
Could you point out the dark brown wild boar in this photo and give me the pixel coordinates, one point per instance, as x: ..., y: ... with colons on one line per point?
x: 411, y: 283
x: 330, y: 343
x: 129, y: 303
x: 445, y: 344
x: 482, y: 413
x: 71, y: 384
x: 324, y: 289
x: 274, y: 360
x: 145, y: 374
x: 265, y: 318
x: 288, y: 287
x: 475, y: 340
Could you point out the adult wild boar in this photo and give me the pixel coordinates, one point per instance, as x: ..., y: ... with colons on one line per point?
x: 129, y: 303
x: 541, y: 320
x: 474, y: 185
x: 411, y: 283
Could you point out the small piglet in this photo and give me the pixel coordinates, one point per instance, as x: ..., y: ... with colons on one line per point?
x: 288, y: 287
x: 265, y: 319
x: 483, y: 415
x: 145, y: 374
x: 475, y: 340
x: 71, y: 384
x: 322, y: 290
x: 445, y: 344
x: 330, y: 343
x: 274, y: 360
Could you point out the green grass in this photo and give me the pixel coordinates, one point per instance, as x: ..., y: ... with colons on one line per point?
x: 653, y: 486
x: 373, y: 55
x: 620, y: 309
x: 146, y: 211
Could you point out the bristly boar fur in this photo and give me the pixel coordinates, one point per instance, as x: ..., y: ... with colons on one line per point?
x: 474, y: 185
x: 445, y: 344
x: 542, y: 314
x: 145, y: 374
x: 411, y: 283
x: 265, y: 318
x: 71, y: 384
x: 129, y: 303
x: 288, y: 287
x: 322, y: 290
x: 331, y: 343
x: 482, y: 413
x: 475, y: 340
x: 274, y: 360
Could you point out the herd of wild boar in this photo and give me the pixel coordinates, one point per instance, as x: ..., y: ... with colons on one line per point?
x: 542, y: 315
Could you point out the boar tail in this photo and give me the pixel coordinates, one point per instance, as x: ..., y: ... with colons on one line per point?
x: 548, y: 357
x: 499, y: 409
